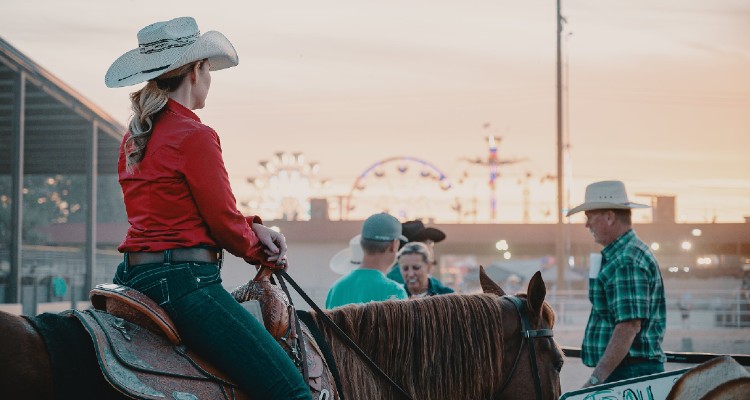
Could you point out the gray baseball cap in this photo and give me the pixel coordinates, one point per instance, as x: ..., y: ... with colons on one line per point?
x: 382, y: 227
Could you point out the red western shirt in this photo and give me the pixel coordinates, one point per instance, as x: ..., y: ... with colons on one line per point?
x: 179, y: 194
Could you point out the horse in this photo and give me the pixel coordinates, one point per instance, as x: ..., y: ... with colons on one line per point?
x: 482, y: 346
x: 720, y: 378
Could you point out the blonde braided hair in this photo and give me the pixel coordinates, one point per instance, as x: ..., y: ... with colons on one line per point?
x: 146, y: 103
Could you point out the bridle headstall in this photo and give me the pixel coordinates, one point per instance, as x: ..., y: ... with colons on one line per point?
x: 527, y: 335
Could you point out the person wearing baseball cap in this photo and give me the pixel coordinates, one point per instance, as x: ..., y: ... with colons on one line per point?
x: 182, y: 212
x: 379, y: 241
x: 626, y: 326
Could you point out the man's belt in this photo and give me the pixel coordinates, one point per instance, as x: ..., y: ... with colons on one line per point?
x: 635, y: 360
x: 186, y: 254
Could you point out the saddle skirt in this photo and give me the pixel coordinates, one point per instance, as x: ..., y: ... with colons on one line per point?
x: 141, y: 354
x: 144, y: 365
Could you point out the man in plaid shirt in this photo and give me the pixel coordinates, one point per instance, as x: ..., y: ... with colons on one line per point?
x: 628, y: 315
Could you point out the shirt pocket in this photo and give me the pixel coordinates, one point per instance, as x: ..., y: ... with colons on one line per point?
x: 205, y: 274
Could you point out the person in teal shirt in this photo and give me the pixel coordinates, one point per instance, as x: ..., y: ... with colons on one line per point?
x: 415, y: 261
x: 372, y: 253
x: 415, y: 231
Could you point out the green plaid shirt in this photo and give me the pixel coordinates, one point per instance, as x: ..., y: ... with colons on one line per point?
x: 629, y: 286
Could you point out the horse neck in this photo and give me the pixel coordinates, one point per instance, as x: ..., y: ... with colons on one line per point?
x: 25, y: 365
x: 436, y: 348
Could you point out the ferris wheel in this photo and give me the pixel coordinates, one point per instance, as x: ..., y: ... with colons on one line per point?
x: 283, y: 187
x: 406, y: 187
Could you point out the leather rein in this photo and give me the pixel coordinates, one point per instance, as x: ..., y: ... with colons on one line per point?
x: 527, y: 335
x: 283, y: 275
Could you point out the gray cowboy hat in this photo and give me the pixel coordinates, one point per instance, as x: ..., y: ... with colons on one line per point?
x: 349, y: 259
x: 605, y: 195
x: 167, y: 45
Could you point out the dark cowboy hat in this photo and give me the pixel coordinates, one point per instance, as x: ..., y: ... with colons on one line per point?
x: 415, y: 231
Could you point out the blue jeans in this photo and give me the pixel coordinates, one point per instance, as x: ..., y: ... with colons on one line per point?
x: 217, y: 328
x: 623, y: 372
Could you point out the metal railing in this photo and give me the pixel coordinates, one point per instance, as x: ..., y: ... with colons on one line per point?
x: 702, y: 309
x: 56, y: 274
x: 676, y: 357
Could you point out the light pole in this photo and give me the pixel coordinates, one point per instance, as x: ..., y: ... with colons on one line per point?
x: 560, y: 257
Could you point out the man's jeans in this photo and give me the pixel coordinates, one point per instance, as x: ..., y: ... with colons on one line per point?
x: 217, y: 328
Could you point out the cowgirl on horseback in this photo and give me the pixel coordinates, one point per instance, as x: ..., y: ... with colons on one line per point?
x: 182, y: 212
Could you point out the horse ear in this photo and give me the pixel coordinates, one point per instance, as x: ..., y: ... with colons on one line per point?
x: 536, y: 294
x: 488, y: 285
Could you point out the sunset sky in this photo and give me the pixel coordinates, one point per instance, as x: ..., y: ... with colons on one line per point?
x: 658, y: 96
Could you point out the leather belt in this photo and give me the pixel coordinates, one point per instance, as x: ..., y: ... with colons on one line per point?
x: 185, y: 254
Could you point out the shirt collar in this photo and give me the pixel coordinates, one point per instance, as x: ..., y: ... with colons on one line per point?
x: 181, y: 110
x: 614, y: 247
x: 368, y: 271
x: 430, y: 291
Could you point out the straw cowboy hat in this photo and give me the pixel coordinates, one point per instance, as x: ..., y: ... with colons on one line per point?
x: 606, y: 195
x: 415, y: 231
x: 167, y: 45
x: 349, y: 259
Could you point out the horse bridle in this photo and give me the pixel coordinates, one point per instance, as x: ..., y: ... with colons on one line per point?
x: 527, y: 335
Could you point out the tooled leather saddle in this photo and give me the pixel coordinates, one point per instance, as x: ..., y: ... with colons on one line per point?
x: 141, y: 354
x: 280, y: 319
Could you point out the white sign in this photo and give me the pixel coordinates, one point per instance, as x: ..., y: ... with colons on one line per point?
x: 595, y: 264
x: 650, y: 387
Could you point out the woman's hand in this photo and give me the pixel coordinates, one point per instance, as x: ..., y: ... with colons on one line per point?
x: 274, y: 243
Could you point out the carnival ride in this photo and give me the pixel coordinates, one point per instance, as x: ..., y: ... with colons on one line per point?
x: 283, y: 187
x: 407, y: 187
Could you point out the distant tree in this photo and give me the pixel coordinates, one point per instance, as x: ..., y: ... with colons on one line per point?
x: 53, y: 199
x: 110, y: 203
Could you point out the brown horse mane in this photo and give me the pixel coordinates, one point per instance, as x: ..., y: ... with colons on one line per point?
x: 439, y: 347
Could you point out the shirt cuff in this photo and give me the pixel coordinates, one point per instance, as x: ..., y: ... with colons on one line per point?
x: 253, y: 219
